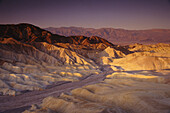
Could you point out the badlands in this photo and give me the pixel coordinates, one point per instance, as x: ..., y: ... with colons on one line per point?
x: 41, y: 72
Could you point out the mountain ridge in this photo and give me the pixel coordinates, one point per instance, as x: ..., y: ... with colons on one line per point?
x: 29, y: 33
x: 118, y: 35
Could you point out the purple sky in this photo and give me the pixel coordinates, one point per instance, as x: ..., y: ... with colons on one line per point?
x: 127, y: 14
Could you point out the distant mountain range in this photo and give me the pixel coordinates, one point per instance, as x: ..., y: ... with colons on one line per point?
x: 117, y: 36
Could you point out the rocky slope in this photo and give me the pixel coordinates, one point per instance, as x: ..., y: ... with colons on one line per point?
x: 118, y: 36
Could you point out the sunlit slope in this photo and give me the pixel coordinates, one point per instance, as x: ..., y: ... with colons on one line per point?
x: 143, y: 57
x: 33, y: 67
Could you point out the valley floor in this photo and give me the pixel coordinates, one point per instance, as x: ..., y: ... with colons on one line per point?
x: 140, y: 93
x: 107, y: 92
x: 13, y: 103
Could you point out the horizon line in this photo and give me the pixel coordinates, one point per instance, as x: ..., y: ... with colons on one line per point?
x: 118, y: 28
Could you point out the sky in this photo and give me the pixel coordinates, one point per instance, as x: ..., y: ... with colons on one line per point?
x: 125, y: 14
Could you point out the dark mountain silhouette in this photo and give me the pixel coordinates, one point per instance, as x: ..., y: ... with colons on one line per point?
x: 117, y: 35
x: 29, y: 33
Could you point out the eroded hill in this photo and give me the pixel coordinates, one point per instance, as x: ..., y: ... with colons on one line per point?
x: 34, y: 63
